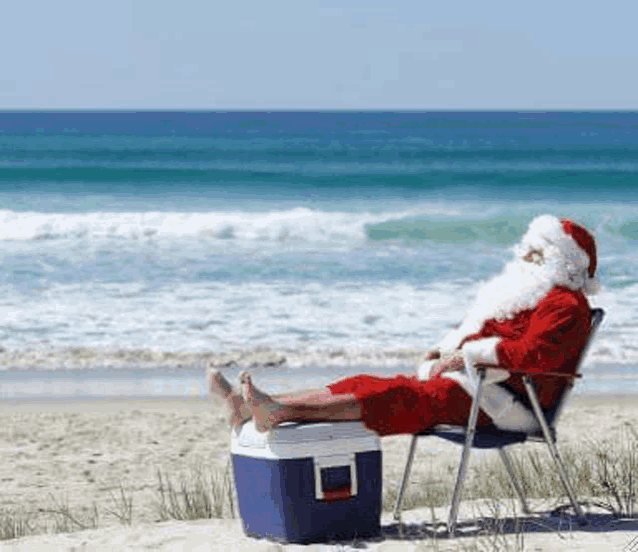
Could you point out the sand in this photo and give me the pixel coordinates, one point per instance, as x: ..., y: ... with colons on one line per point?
x: 81, y: 453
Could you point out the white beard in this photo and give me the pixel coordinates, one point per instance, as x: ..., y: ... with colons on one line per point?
x: 519, y: 287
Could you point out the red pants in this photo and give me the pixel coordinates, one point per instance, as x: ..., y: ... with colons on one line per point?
x: 391, y: 406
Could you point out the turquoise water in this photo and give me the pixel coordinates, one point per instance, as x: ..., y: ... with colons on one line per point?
x: 329, y: 237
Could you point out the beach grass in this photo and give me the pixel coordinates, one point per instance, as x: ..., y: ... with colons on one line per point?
x: 67, y: 519
x: 202, y: 495
x: 604, y: 473
x: 121, y: 506
x: 56, y: 516
x: 16, y: 523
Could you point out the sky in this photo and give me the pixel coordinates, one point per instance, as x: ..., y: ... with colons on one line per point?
x: 319, y: 54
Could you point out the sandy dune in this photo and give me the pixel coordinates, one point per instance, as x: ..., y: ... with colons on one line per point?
x: 81, y: 453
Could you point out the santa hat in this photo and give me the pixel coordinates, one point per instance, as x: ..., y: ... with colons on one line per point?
x: 575, y: 245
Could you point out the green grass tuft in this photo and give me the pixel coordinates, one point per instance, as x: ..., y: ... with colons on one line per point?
x: 198, y: 496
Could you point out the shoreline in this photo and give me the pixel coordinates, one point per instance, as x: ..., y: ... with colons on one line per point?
x: 143, y: 383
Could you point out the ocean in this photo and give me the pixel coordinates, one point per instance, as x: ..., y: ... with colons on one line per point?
x: 136, y: 246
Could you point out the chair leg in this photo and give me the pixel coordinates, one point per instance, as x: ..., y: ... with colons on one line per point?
x: 404, y: 481
x: 458, y: 487
x: 563, y: 476
x: 465, y: 456
x: 562, y: 472
x: 508, y: 466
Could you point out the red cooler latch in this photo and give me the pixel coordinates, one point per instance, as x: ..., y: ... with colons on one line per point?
x: 335, y: 477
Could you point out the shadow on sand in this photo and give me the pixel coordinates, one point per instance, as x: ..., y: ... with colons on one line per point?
x: 558, y: 521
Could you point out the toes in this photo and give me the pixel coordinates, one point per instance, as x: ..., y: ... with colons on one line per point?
x: 245, y: 379
x: 218, y: 383
x: 214, y: 375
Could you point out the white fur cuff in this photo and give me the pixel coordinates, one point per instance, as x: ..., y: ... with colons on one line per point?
x: 423, y: 371
x: 482, y: 351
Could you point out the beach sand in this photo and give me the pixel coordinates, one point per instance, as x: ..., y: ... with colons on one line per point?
x: 82, y: 453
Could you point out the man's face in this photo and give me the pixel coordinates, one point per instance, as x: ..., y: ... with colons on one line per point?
x: 533, y: 255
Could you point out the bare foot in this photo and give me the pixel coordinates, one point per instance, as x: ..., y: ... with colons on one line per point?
x: 266, y: 412
x: 239, y: 412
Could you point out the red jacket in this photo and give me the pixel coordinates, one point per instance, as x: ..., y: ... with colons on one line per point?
x: 549, y: 338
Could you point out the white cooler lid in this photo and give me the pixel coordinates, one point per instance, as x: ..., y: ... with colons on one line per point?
x: 293, y: 440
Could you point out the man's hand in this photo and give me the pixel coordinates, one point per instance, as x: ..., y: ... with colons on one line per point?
x: 432, y: 355
x: 453, y: 364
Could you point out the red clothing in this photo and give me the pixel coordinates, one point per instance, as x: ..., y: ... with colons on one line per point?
x: 549, y: 338
x: 395, y: 405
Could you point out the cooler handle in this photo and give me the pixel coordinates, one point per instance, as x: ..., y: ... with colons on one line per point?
x: 337, y: 461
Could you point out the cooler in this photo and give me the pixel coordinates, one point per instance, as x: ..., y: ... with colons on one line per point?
x: 309, y: 482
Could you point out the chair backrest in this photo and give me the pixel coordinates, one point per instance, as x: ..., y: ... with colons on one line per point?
x: 597, y: 316
x: 552, y: 415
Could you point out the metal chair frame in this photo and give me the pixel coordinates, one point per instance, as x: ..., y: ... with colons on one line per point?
x: 492, y: 437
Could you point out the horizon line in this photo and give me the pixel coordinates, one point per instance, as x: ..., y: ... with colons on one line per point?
x: 311, y: 110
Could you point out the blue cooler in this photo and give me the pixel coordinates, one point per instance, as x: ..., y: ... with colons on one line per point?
x: 310, y: 482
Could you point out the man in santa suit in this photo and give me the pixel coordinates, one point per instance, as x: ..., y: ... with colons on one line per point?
x: 533, y: 317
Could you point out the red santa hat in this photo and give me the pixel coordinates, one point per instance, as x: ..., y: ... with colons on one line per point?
x: 575, y: 245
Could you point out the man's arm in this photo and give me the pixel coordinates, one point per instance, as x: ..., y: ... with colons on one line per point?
x: 557, y: 332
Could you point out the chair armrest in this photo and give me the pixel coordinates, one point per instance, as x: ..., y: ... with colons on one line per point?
x: 552, y: 374
x: 530, y: 374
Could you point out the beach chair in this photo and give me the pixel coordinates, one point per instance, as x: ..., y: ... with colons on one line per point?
x: 491, y: 437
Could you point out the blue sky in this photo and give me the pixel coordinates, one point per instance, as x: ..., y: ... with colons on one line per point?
x: 310, y: 54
